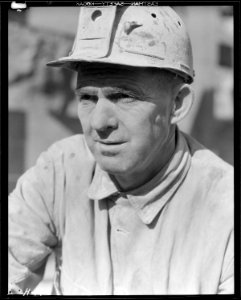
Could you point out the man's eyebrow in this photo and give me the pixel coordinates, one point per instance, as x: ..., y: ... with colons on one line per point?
x: 83, y: 90
x: 112, y: 91
x: 131, y: 91
x: 122, y: 90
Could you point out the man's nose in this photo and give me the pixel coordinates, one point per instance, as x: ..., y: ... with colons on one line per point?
x: 103, y: 117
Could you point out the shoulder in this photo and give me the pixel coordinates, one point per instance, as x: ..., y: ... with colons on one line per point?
x: 66, y: 156
x: 70, y: 144
x: 207, y: 161
x: 212, y: 178
x: 74, y: 147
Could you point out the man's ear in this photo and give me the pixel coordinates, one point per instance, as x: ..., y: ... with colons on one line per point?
x: 182, y: 103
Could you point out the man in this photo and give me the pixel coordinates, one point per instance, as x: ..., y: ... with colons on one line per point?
x: 132, y: 206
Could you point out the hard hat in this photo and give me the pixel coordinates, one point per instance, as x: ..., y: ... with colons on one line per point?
x: 138, y: 36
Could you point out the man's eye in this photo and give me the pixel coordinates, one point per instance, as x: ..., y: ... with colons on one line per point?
x: 86, y: 97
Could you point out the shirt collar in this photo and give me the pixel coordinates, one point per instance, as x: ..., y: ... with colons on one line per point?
x: 151, y: 197
x: 102, y: 186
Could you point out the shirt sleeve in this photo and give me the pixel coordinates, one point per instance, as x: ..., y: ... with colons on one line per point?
x: 227, y: 278
x: 32, y: 230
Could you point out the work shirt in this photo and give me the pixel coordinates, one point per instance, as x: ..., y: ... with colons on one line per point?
x: 172, y: 235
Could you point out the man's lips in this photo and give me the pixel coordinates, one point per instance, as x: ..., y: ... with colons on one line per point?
x: 110, y: 142
x: 109, y: 147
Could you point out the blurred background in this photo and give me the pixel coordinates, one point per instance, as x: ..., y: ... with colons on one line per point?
x: 42, y: 105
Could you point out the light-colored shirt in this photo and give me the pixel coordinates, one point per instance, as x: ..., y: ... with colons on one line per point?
x: 173, y: 235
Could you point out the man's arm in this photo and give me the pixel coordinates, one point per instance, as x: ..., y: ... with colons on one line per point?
x: 32, y: 232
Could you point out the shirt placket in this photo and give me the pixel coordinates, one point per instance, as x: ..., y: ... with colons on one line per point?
x: 119, y: 209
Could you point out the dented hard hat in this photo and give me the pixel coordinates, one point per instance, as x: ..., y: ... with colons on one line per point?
x: 138, y: 36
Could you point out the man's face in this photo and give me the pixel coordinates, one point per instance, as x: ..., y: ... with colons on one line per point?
x: 125, y: 116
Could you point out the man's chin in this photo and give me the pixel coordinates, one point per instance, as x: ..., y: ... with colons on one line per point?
x: 112, y: 165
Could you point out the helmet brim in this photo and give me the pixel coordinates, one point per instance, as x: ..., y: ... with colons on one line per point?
x: 73, y: 63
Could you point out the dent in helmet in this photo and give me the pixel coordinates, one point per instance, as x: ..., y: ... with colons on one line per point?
x: 130, y: 26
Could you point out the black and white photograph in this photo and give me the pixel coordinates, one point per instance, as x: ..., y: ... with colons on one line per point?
x: 121, y: 149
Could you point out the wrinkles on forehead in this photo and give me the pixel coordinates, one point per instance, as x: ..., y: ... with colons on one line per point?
x: 136, y: 79
x: 111, y: 77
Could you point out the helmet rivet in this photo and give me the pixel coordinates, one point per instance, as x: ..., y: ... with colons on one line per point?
x: 96, y: 14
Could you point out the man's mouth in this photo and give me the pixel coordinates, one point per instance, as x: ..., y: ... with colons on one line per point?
x: 111, y: 142
x: 110, y: 148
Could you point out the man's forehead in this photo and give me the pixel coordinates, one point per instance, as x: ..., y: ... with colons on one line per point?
x: 97, y: 73
x: 108, y: 84
x: 100, y: 69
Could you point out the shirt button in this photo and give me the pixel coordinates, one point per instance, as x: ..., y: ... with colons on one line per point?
x: 121, y: 230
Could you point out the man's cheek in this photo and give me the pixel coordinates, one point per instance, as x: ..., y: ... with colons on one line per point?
x: 85, y: 124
